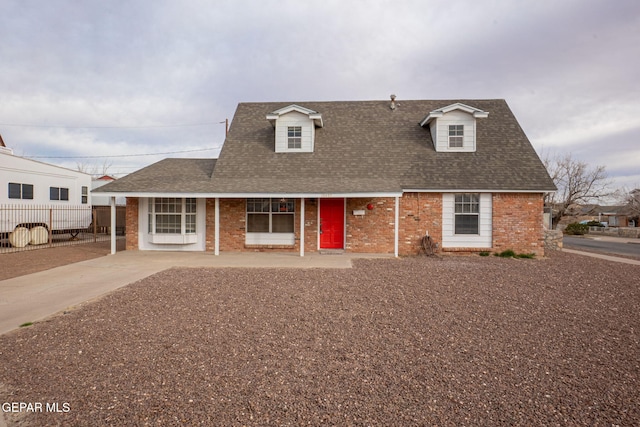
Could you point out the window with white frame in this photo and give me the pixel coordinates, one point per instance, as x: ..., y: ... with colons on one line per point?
x: 20, y: 191
x: 294, y: 137
x: 85, y: 195
x: 456, y: 136
x: 172, y: 215
x: 58, y: 193
x: 467, y: 213
x: 266, y: 215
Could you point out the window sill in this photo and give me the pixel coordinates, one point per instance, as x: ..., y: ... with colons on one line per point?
x: 270, y: 239
x: 270, y: 246
x: 466, y: 250
x: 173, y: 239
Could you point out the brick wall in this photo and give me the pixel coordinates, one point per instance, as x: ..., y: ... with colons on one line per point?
x: 517, y: 223
x: 132, y: 224
x: 233, y: 227
x: 232, y: 224
x: 210, y: 227
x: 419, y: 213
x: 373, y: 232
x: 310, y: 224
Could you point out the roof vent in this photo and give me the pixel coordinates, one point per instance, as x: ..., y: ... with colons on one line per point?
x: 393, y: 103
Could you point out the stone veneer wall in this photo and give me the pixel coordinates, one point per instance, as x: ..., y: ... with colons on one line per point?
x: 552, y: 240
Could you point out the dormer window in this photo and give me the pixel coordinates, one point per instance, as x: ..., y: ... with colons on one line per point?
x: 295, y: 129
x: 456, y: 135
x: 294, y: 137
x: 453, y: 128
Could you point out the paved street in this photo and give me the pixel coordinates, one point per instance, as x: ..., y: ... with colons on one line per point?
x: 604, y: 244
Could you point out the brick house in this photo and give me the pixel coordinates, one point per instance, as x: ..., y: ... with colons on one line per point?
x: 362, y: 176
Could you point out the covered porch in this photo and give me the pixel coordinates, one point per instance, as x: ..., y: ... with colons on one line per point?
x: 304, y: 223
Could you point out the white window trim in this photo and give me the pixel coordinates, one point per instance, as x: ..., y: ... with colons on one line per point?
x: 457, y: 138
x: 294, y: 142
x: 270, y: 237
x: 184, y: 237
x: 58, y: 191
x: 481, y: 240
x: 457, y: 214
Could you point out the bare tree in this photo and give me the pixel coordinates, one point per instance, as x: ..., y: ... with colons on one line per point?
x: 82, y: 167
x: 95, y: 170
x: 576, y: 182
x: 632, y: 201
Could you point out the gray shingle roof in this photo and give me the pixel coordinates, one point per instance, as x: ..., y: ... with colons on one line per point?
x: 166, y: 176
x: 363, y: 147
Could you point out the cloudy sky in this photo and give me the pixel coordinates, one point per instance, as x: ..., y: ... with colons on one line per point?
x: 108, y: 83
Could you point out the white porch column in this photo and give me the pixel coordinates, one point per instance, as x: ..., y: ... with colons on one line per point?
x: 216, y: 239
x: 302, y: 226
x: 396, y: 227
x: 112, y: 203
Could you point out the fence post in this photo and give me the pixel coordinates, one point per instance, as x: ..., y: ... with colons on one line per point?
x: 50, y: 227
x: 94, y: 216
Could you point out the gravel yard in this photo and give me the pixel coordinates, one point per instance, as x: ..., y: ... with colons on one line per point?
x: 20, y: 263
x: 417, y: 341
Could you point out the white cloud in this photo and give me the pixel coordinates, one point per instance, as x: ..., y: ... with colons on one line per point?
x: 567, y: 69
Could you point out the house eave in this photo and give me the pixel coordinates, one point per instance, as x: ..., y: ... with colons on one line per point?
x: 313, y: 115
x: 147, y: 194
x: 471, y: 190
x: 475, y: 112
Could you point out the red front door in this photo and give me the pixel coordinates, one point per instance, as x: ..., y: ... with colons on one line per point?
x: 331, y: 223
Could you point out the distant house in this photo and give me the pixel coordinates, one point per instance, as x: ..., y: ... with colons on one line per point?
x: 361, y: 176
x: 99, y: 200
x: 612, y: 216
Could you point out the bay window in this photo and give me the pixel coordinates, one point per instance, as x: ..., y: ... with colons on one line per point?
x: 172, y: 215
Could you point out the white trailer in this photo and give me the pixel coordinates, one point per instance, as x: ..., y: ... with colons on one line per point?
x: 36, y: 194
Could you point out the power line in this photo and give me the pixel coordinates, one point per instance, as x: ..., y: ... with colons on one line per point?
x: 121, y: 155
x: 33, y: 125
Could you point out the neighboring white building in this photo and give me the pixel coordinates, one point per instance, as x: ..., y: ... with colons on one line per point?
x: 30, y: 183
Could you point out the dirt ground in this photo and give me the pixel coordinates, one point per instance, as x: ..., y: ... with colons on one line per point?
x: 396, y: 342
x: 16, y: 264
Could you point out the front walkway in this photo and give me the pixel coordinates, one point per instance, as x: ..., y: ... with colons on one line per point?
x: 36, y: 296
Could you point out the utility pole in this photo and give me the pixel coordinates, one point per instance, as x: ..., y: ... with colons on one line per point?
x: 226, y: 127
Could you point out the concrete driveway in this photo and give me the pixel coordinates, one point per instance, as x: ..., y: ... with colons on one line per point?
x: 35, y: 296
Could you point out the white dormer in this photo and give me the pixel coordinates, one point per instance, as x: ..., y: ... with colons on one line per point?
x: 295, y: 128
x: 453, y: 128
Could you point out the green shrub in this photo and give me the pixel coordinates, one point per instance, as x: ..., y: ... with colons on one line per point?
x: 526, y: 256
x: 594, y: 224
x: 576, y: 229
x: 483, y: 253
x: 511, y: 254
x: 506, y: 254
